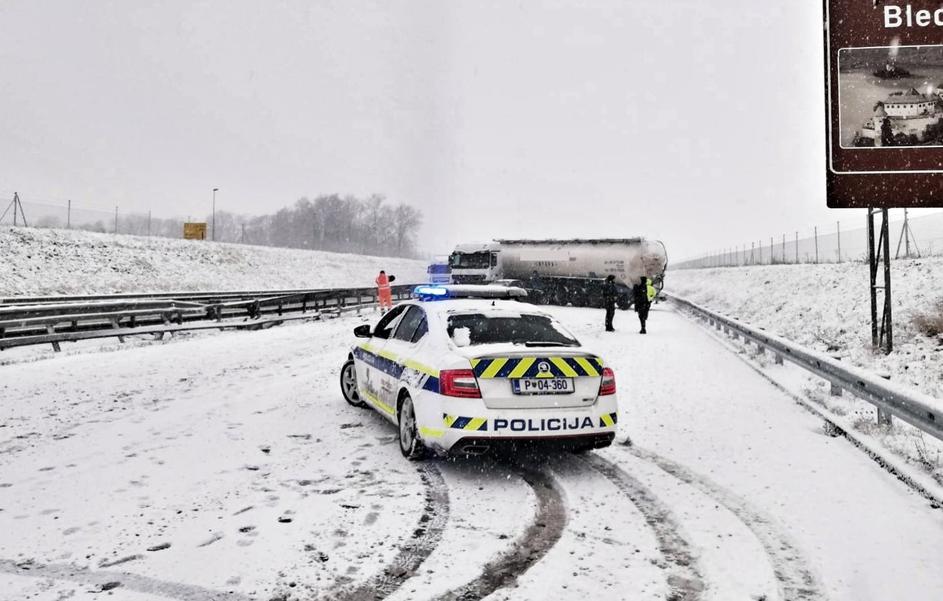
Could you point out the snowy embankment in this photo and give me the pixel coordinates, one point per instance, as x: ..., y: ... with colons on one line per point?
x: 48, y: 261
x: 827, y: 308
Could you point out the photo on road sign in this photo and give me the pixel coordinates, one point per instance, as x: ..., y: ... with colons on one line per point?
x: 891, y: 97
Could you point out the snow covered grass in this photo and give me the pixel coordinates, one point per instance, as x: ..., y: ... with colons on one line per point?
x: 826, y: 307
x: 51, y: 261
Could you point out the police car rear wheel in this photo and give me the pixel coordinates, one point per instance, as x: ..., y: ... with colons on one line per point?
x: 409, y: 444
x: 349, y: 384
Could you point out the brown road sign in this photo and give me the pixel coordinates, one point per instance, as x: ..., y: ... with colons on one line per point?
x: 194, y: 231
x: 884, y: 103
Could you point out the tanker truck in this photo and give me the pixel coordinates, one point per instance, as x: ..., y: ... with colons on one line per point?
x: 562, y: 272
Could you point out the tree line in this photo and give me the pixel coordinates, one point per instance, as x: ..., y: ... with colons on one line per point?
x: 331, y: 222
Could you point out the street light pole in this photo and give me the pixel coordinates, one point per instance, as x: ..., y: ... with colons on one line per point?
x: 214, y: 214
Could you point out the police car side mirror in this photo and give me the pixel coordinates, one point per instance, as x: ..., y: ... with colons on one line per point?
x: 362, y: 331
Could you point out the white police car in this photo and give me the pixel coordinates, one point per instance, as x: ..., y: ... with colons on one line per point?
x: 462, y: 369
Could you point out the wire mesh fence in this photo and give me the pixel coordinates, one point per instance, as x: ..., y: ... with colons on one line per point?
x: 838, y: 242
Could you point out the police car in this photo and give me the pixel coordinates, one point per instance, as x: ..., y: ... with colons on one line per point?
x: 464, y: 369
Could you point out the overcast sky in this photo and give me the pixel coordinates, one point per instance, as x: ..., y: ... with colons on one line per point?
x: 699, y: 123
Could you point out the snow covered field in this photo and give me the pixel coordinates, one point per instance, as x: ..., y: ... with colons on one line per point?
x: 50, y: 261
x: 227, y: 466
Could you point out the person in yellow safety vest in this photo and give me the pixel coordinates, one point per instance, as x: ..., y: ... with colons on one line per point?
x: 643, y: 294
x: 384, y: 293
x: 651, y: 290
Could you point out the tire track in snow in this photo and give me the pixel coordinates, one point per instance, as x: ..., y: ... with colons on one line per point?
x: 415, y: 550
x: 539, y: 537
x: 107, y: 580
x: 796, y: 580
x: 684, y: 577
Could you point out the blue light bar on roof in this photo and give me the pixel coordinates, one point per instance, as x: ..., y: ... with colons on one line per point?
x: 430, y: 292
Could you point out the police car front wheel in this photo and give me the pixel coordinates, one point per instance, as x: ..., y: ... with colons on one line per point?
x: 409, y: 443
x: 349, y: 384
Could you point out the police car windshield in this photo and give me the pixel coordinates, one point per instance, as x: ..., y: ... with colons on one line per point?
x: 523, y: 329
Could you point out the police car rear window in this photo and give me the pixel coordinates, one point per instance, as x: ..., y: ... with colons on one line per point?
x: 534, y: 330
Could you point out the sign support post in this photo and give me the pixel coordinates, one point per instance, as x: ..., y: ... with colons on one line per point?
x: 879, y: 254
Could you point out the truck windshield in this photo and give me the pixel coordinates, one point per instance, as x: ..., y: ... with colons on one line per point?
x: 480, y: 260
x: 531, y: 330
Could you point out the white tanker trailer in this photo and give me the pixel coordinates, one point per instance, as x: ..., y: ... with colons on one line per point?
x: 562, y: 272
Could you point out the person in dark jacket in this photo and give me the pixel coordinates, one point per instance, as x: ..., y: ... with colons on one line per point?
x: 640, y: 297
x: 609, y: 300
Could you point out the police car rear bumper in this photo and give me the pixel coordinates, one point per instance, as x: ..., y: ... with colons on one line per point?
x: 445, y: 424
x: 476, y: 445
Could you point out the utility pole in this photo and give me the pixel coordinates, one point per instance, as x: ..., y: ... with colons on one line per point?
x: 214, y: 214
x: 905, y: 235
x: 15, y: 204
x: 784, y: 248
x: 770, y: 250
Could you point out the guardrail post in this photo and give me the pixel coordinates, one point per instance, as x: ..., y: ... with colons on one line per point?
x: 884, y: 418
x: 836, y: 390
x: 51, y: 329
x: 777, y: 359
x: 115, y: 326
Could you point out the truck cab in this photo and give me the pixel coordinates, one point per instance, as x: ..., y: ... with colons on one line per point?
x: 475, y: 263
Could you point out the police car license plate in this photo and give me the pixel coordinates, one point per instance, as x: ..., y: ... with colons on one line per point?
x: 542, y: 386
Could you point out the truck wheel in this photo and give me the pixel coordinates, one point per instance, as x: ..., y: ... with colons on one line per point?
x: 624, y: 303
x: 409, y: 443
x: 349, y: 384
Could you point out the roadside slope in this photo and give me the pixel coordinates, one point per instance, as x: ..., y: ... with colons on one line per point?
x: 826, y: 307
x: 49, y: 261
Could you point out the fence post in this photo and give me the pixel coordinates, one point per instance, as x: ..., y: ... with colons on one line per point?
x: 816, y: 245
x: 838, y: 230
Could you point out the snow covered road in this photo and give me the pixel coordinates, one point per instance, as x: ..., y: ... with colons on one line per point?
x: 228, y: 467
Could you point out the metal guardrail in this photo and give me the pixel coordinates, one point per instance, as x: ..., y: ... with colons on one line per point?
x: 916, y: 408
x: 56, y: 319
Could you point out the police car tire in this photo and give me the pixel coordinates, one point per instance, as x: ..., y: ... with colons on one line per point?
x: 414, y: 450
x: 355, y: 400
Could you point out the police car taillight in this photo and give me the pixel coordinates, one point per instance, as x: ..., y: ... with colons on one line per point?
x: 608, y: 384
x: 459, y: 383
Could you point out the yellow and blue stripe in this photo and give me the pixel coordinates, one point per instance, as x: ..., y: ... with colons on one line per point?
x: 390, y: 364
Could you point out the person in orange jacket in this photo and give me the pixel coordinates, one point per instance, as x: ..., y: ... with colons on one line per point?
x: 384, y: 294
